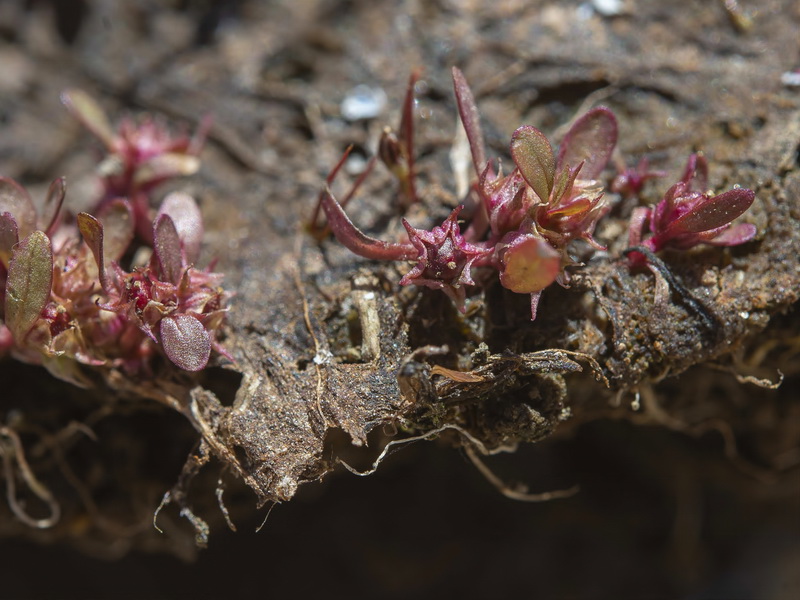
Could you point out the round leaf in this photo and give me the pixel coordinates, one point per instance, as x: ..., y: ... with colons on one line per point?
x: 186, y: 342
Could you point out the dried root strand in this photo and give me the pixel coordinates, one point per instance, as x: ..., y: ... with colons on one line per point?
x: 472, y: 447
x: 12, y: 452
x: 179, y: 495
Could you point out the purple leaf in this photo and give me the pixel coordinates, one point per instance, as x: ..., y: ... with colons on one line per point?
x: 92, y: 232
x: 15, y: 199
x: 186, y: 342
x: 355, y: 240
x: 30, y: 277
x: 185, y: 214
x: 533, y: 155
x: 470, y: 119
x: 9, y: 236
x: 713, y: 212
x: 167, y: 246
x: 591, y: 140
x: 734, y: 235
x: 84, y: 108
x: 118, y: 226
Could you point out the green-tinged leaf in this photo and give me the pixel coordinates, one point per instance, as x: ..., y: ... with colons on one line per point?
x: 84, y: 108
x: 92, y: 231
x: 30, y: 277
x: 167, y: 245
x: 590, y: 140
x: 468, y: 111
x: 14, y: 199
x: 529, y: 265
x: 185, y: 213
x: 166, y: 166
x: 186, y: 342
x: 118, y: 227
x: 9, y: 236
x: 713, y: 212
x: 534, y: 157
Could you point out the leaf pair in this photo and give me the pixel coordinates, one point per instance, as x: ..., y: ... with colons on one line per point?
x: 589, y: 142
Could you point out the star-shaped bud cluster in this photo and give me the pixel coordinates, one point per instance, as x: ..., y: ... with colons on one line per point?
x: 445, y: 258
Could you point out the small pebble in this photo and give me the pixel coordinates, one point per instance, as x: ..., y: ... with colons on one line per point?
x: 363, y: 102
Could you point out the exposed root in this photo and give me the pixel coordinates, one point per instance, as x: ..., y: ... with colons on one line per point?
x: 757, y: 381
x: 224, y: 509
x: 11, y: 450
x: 179, y: 495
x: 264, y: 522
x: 518, y: 491
x: 472, y: 448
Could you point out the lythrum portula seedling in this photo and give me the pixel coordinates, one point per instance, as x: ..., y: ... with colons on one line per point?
x: 523, y: 222
x: 65, y: 303
x: 140, y: 155
x: 688, y: 215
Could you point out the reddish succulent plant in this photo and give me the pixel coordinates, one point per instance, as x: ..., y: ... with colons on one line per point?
x: 139, y: 157
x: 523, y: 222
x: 65, y: 303
x: 688, y: 215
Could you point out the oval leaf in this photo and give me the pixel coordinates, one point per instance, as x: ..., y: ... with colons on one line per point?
x: 529, y: 265
x: 534, y: 157
x: 84, y: 108
x: 14, y: 199
x: 167, y: 245
x: 30, y: 277
x: 734, y: 235
x: 185, y: 213
x: 590, y: 140
x: 186, y: 342
x: 713, y: 212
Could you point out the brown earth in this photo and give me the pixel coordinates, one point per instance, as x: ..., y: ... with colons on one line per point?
x: 663, y: 415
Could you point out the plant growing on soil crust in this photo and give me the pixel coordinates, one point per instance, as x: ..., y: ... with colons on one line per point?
x: 65, y: 303
x: 524, y: 222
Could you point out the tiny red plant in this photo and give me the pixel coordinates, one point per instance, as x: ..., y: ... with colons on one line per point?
x: 65, y: 303
x: 140, y: 155
x: 524, y: 221
x: 688, y: 215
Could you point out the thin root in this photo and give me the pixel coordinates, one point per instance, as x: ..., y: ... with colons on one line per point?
x: 14, y: 450
x: 472, y: 448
